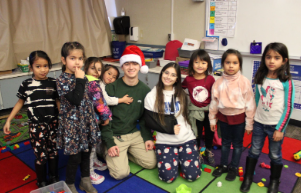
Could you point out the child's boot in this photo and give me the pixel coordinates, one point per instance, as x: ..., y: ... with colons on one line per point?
x: 96, y: 178
x: 274, y: 178
x: 210, y: 157
x: 41, y: 175
x: 72, y: 188
x: 53, y: 170
x: 248, y: 178
x: 85, y: 185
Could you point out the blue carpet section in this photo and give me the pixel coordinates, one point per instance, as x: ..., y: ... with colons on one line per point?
x: 136, y: 184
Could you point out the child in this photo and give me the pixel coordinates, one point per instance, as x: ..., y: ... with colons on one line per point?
x: 199, y: 84
x: 78, y: 130
x: 109, y: 75
x: 234, y: 106
x: 274, y: 98
x: 93, y: 69
x: 178, y: 147
x: 41, y: 98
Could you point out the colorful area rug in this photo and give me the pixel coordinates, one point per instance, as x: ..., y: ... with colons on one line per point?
x: 17, y: 164
x: 18, y: 128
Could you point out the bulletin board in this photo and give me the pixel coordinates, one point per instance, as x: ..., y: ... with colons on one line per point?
x: 264, y: 21
x: 296, y: 76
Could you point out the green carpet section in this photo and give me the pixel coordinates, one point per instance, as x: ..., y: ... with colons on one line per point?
x: 233, y: 186
x: 134, y: 168
x: 196, y: 186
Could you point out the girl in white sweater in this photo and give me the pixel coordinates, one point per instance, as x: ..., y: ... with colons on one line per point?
x: 176, y: 144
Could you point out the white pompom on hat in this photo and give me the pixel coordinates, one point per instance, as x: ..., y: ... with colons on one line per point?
x: 134, y: 54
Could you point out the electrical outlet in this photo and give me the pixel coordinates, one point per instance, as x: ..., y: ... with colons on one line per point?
x: 169, y: 37
x: 141, y: 34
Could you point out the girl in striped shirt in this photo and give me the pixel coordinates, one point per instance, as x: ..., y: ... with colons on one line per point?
x: 274, y: 96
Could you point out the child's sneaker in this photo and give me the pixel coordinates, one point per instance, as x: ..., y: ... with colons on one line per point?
x: 220, y: 170
x: 95, y: 178
x: 98, y: 165
x: 232, y: 172
x: 210, y: 157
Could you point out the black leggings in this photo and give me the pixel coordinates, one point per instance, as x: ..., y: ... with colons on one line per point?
x: 82, y: 158
x: 208, y: 133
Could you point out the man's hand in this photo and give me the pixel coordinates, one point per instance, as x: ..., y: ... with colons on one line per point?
x: 212, y: 127
x: 113, y: 151
x: 149, y: 145
x: 277, y: 136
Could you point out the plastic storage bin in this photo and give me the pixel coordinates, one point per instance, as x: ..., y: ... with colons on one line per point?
x: 152, y: 52
x: 24, y: 67
x: 117, y: 49
x: 185, y: 53
x: 57, y: 187
x: 152, y: 63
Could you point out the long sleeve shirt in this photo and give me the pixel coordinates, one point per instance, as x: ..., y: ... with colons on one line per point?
x: 275, y: 102
x: 124, y: 116
x: 232, y: 95
x: 111, y: 100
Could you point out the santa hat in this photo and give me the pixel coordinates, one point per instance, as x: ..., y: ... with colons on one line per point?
x: 134, y: 54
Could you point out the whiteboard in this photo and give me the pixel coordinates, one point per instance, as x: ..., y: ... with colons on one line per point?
x: 266, y: 21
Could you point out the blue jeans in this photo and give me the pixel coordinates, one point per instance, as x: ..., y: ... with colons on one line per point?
x: 260, y: 132
x: 232, y: 134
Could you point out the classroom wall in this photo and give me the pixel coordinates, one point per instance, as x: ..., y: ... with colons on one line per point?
x: 154, y: 19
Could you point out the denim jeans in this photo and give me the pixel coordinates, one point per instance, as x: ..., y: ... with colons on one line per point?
x: 260, y: 131
x: 232, y: 134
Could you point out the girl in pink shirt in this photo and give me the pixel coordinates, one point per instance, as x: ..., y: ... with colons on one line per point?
x: 199, y: 84
x: 234, y: 106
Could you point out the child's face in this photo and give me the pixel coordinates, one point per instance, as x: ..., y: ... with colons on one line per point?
x: 231, y: 64
x: 94, y: 69
x: 74, y: 60
x: 200, y: 66
x: 169, y: 77
x: 40, y: 69
x: 110, y: 76
x: 273, y: 60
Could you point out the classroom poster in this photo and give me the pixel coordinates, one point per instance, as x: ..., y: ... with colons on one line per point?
x: 296, y: 76
x: 221, y: 17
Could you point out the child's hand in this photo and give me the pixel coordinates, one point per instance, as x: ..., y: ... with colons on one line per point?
x: 79, y: 73
x: 126, y: 99
x: 278, y: 136
x: 149, y: 145
x: 6, y: 128
x: 212, y: 127
x: 248, y: 132
x: 105, y: 122
x: 176, y: 129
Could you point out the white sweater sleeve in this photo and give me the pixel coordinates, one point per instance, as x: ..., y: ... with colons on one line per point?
x: 111, y: 101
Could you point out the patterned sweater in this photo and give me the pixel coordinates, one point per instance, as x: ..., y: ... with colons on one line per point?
x: 102, y: 111
x: 232, y: 95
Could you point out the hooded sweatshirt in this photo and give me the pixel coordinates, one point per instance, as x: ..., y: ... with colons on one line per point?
x: 233, y: 95
x: 185, y: 133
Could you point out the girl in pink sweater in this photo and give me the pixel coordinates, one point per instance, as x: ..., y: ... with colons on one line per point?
x: 234, y: 106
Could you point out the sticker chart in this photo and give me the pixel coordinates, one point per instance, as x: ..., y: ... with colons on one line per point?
x: 222, y: 17
x: 296, y: 76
